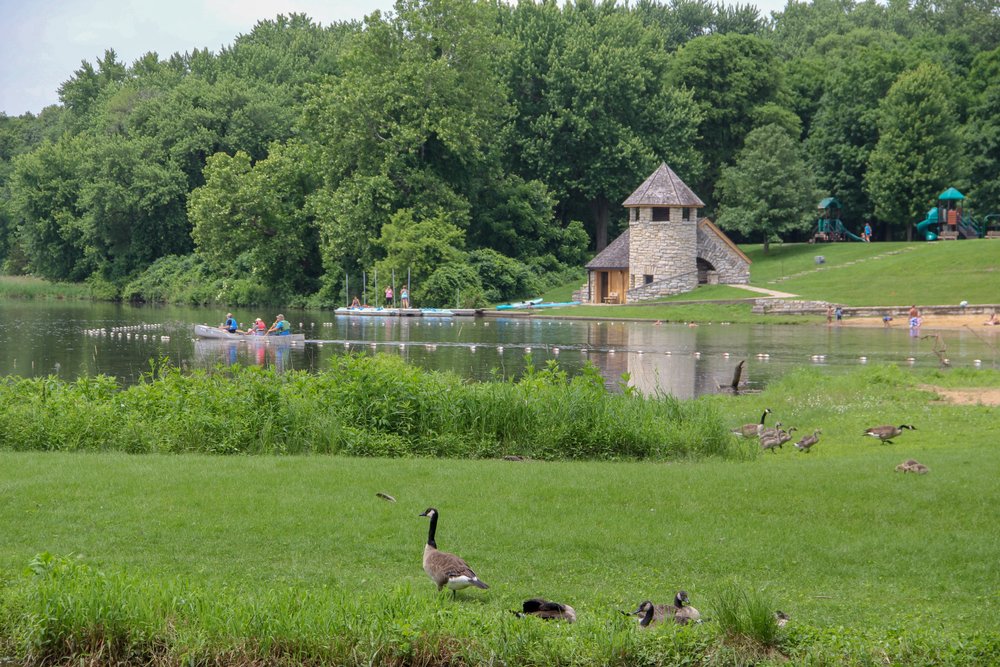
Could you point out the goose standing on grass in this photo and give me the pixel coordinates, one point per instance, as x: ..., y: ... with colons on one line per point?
x: 774, y: 440
x: 547, y: 609
x: 888, y: 432
x: 805, y: 443
x: 752, y: 430
x: 443, y: 568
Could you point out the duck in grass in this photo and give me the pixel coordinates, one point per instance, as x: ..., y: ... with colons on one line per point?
x: 888, y: 432
x: 680, y: 612
x: 443, y: 568
x: 752, y: 430
x: 547, y: 609
x: 805, y: 443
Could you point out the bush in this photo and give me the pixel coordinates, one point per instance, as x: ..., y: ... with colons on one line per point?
x: 452, y: 285
x: 503, y: 278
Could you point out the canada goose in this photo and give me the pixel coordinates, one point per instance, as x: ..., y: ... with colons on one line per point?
x: 903, y: 467
x: 771, y: 431
x: 684, y: 613
x: 805, y: 443
x: 752, y: 430
x: 547, y: 609
x: 443, y: 568
x: 650, y: 614
x: 776, y: 440
x: 781, y: 618
x: 886, y: 433
x: 920, y: 469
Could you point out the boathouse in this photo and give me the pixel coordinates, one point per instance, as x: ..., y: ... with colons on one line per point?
x: 667, y: 248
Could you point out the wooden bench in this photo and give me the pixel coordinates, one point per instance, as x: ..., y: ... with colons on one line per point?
x: 994, y: 234
x: 612, y: 297
x: 948, y: 236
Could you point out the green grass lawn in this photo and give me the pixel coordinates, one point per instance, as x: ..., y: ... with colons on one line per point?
x: 299, y: 545
x: 868, y: 274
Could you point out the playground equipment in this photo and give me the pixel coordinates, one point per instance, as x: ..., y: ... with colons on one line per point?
x: 829, y: 227
x: 948, y: 221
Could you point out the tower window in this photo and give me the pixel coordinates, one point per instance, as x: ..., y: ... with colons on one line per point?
x: 685, y: 213
x: 661, y: 214
x: 647, y: 279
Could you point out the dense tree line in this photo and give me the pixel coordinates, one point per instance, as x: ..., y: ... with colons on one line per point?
x: 485, y: 148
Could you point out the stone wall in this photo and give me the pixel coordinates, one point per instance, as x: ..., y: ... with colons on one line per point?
x: 731, y: 268
x: 664, y: 250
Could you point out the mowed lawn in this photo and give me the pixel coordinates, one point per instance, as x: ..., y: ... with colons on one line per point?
x: 834, y: 537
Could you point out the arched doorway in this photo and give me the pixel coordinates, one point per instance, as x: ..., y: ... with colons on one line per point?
x: 707, y: 275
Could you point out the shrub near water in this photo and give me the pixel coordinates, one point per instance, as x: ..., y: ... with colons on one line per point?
x: 366, y: 406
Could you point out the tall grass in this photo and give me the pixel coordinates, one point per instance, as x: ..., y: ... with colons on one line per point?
x: 365, y: 406
x: 27, y: 287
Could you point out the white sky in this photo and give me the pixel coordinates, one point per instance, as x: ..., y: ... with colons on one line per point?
x: 42, y: 42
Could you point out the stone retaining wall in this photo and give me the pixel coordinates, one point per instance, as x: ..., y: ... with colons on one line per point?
x: 801, y: 307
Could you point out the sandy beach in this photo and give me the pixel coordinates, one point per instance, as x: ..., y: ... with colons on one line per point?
x: 931, y: 321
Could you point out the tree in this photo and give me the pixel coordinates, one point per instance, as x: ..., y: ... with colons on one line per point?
x: 729, y: 77
x: 420, y: 246
x: 255, y: 216
x: 981, y: 133
x: 769, y: 189
x: 845, y: 130
x: 594, y: 113
x: 917, y: 153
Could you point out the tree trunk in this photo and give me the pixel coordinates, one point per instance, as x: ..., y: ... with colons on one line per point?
x: 602, y: 214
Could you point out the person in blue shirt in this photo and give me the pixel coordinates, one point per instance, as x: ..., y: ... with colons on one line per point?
x: 867, y: 234
x: 230, y: 325
x: 280, y: 327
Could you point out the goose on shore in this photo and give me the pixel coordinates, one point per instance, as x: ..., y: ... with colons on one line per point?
x: 547, y: 609
x: 752, y: 430
x: 888, y: 432
x: 443, y: 568
x: 805, y: 443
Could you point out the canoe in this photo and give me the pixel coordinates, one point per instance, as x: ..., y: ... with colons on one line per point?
x: 215, y: 333
x: 519, y: 304
x: 436, y: 312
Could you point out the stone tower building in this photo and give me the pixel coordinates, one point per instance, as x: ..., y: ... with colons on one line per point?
x: 667, y: 248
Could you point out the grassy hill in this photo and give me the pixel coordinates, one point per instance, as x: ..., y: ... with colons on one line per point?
x: 853, y: 274
x: 876, y: 274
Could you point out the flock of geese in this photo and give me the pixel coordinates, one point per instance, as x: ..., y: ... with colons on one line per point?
x: 448, y: 570
x: 772, y: 438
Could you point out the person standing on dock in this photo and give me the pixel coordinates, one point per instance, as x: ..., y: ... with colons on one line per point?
x: 388, y: 297
x: 404, y: 297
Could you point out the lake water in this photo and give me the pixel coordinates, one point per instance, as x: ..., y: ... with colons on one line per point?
x: 69, y: 339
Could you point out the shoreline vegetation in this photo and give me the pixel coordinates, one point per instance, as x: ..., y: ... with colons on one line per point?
x: 861, y: 274
x: 268, y: 557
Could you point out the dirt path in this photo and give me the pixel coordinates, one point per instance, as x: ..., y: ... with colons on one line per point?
x: 979, y: 396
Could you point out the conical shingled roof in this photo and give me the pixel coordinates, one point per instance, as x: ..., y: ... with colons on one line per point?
x: 663, y: 188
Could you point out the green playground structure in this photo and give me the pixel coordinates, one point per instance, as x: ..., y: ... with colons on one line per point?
x: 829, y: 226
x: 948, y: 221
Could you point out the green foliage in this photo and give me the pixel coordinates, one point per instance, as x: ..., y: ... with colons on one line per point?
x: 912, y: 163
x: 366, y: 406
x: 769, y: 189
x: 746, y: 616
x: 502, y: 278
x: 421, y: 246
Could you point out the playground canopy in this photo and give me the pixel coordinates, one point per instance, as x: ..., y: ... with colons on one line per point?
x: 951, y: 194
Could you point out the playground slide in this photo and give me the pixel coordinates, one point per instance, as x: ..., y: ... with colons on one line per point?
x: 924, y: 227
x: 843, y: 230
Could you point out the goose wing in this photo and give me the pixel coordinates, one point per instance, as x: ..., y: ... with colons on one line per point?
x: 447, y: 568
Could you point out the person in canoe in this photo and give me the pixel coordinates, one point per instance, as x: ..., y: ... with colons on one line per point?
x: 258, y: 328
x: 280, y: 327
x: 230, y: 325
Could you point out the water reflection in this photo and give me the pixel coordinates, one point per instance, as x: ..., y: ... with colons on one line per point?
x: 71, y: 340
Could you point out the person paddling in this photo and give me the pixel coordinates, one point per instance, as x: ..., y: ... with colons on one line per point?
x: 280, y: 327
